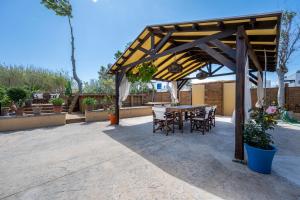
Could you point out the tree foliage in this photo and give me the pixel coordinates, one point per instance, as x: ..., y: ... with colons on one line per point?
x: 60, y: 7
x: 32, y: 78
x: 288, y: 45
x: 289, y: 39
x: 64, y: 8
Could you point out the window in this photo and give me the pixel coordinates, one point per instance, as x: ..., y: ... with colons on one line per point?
x: 158, y: 86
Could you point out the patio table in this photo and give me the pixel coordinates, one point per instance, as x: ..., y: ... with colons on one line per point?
x: 158, y: 103
x: 181, y: 109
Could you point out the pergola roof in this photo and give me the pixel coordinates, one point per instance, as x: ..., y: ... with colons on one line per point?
x: 163, y: 44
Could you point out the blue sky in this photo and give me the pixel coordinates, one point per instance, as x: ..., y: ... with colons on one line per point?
x: 34, y: 35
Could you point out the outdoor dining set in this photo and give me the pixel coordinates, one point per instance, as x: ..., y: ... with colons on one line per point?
x: 167, y: 117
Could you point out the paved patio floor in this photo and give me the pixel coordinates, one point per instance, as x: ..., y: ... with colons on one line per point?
x: 98, y: 161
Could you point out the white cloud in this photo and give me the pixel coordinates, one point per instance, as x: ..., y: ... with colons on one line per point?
x: 95, y: 1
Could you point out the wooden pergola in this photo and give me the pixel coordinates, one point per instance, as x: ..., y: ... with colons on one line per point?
x: 197, y: 45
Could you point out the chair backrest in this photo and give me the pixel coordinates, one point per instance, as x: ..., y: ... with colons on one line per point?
x: 214, y: 108
x: 159, y: 112
x: 207, y: 112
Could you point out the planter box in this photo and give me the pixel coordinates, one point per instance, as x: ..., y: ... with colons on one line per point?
x: 101, y: 115
x: 135, y: 111
x: 13, y: 123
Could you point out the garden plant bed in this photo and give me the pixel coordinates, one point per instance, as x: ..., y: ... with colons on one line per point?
x: 127, y: 112
x: 12, y: 123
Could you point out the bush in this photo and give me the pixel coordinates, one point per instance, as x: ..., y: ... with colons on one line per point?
x: 17, y: 95
x: 5, y: 101
x: 57, y: 101
x: 68, y: 90
x: 2, y: 92
x: 89, y: 101
x: 255, y: 131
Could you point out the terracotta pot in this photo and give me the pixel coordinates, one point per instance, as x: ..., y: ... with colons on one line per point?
x: 113, y: 119
x: 57, y: 109
x: 20, y: 111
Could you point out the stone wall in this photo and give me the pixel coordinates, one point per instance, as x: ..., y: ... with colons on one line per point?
x: 214, y: 95
x: 102, y: 115
x: 31, y: 121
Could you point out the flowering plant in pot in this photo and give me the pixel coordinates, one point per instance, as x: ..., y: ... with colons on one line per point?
x: 258, y: 141
x: 89, y: 103
x: 17, y: 96
x: 57, y: 104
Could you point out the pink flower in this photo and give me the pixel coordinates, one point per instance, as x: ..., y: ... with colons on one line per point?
x: 271, y: 110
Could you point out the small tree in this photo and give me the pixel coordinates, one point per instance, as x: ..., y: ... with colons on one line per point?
x: 64, y: 8
x: 290, y: 35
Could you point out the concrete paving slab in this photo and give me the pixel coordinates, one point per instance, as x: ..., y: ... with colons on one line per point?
x: 98, y: 161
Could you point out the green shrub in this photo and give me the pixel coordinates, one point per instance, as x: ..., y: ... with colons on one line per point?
x: 17, y: 95
x: 68, y: 90
x: 2, y: 92
x: 256, y: 129
x: 5, y: 101
x: 89, y: 101
x: 57, y: 101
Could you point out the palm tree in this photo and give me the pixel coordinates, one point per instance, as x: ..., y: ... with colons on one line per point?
x: 64, y: 8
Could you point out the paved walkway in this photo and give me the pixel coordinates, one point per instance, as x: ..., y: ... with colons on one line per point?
x: 98, y: 161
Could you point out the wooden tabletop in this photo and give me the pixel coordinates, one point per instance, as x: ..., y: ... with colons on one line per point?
x: 157, y: 103
x: 184, y: 107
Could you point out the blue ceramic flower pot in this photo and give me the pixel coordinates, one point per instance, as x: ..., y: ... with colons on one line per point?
x: 260, y: 160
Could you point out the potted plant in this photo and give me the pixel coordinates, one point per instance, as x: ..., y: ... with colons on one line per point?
x: 57, y: 104
x: 5, y: 104
x: 17, y: 96
x: 258, y: 142
x: 89, y: 103
x: 111, y: 114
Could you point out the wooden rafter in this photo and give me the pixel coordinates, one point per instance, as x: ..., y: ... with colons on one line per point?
x: 182, y: 47
x: 219, y: 57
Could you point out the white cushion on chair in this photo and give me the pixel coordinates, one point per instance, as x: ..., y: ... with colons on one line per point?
x: 159, y: 112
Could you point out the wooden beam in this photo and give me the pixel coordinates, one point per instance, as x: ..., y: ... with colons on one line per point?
x: 143, y: 50
x: 182, y: 47
x: 225, y: 48
x: 251, y: 52
x: 117, y: 94
x: 241, y: 50
x: 152, y: 41
x: 259, y: 25
x: 141, y: 41
x: 216, y: 55
x: 252, y: 81
x: 221, y: 25
x: 220, y: 67
x: 215, y: 75
x: 163, y: 41
x: 253, y: 76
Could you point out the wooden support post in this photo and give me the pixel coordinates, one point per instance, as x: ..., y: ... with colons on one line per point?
x: 241, y: 52
x: 117, y: 108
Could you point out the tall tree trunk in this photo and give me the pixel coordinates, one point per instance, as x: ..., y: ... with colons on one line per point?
x: 153, y: 92
x: 77, y: 79
x: 281, y: 93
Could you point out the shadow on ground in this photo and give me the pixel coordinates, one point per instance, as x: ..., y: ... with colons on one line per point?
x: 204, y: 161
